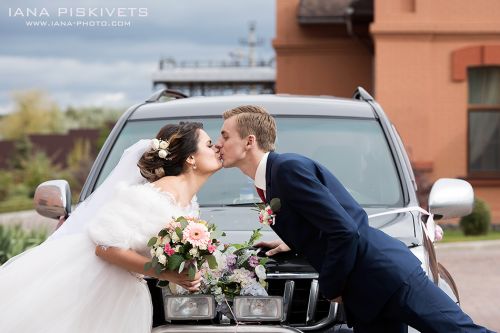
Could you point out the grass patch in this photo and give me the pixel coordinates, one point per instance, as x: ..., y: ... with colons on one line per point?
x: 15, y: 204
x: 458, y: 236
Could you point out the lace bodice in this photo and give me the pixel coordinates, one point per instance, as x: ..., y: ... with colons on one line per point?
x: 134, y: 215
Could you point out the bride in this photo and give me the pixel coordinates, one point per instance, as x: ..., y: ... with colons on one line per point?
x: 87, y: 277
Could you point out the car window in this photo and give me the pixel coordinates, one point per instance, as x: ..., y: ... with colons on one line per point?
x: 355, y: 150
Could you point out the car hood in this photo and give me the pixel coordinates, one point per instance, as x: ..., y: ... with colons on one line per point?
x: 238, y: 223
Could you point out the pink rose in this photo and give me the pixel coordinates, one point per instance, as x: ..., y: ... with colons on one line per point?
x: 211, y: 248
x: 438, y: 233
x: 168, y: 250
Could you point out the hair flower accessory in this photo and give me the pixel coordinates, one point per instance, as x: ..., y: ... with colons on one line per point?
x: 162, y: 147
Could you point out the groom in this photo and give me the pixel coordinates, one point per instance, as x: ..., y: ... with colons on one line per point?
x: 380, y: 281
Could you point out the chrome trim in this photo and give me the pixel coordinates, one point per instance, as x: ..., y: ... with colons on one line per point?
x: 287, y: 299
x: 53, y: 199
x: 288, y: 276
x: 313, y: 300
x: 224, y: 328
x: 330, y: 319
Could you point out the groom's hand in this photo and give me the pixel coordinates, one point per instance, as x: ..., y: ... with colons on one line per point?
x: 275, y: 246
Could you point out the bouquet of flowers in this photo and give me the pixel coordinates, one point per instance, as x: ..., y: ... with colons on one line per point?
x: 239, y: 272
x: 186, y: 243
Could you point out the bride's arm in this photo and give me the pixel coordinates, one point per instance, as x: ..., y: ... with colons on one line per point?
x: 134, y: 262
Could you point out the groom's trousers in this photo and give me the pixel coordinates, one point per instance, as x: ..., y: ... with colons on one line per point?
x: 419, y: 303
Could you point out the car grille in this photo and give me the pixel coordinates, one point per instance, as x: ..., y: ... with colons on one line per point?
x: 304, y: 308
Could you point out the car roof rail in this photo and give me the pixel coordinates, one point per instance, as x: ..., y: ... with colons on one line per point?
x: 165, y: 93
x: 362, y: 95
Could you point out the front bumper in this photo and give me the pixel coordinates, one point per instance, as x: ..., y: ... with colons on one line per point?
x: 224, y: 328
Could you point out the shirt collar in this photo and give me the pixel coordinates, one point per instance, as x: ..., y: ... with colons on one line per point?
x: 260, y: 174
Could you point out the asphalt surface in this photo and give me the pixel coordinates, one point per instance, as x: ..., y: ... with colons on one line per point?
x: 475, y: 267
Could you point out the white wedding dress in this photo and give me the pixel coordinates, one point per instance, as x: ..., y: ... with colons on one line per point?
x: 62, y: 286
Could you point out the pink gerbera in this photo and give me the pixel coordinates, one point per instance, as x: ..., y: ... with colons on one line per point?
x: 197, y: 234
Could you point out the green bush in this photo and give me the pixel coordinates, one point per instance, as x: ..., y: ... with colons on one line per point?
x: 14, y: 240
x: 6, y: 182
x: 478, y: 222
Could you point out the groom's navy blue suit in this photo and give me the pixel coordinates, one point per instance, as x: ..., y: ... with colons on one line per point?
x: 319, y: 219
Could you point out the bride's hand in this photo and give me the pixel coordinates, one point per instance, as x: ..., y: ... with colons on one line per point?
x: 275, y: 246
x: 183, y: 280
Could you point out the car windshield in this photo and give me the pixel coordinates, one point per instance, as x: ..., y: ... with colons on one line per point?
x: 355, y: 150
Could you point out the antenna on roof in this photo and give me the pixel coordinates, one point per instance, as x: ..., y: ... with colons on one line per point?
x: 252, y: 41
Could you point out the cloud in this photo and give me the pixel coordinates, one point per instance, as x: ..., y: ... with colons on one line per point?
x: 73, y: 82
x: 109, y: 66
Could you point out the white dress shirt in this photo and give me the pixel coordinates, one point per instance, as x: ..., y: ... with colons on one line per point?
x: 260, y: 174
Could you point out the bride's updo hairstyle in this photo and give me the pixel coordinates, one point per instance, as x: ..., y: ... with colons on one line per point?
x: 177, y: 142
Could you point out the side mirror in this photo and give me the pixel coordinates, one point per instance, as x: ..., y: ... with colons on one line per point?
x: 53, y: 199
x: 451, y: 198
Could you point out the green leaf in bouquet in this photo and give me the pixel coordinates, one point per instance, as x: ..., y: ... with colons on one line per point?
x: 181, y: 267
x: 184, y: 224
x: 256, y: 234
x: 238, y: 246
x: 212, y: 262
x: 163, y: 232
x: 158, y: 269
x: 191, y: 271
x: 181, y: 219
x: 178, y: 231
x: 275, y: 204
x: 263, y: 261
x: 152, y: 241
x: 162, y: 283
x: 174, y: 262
x: 148, y: 266
x: 216, y: 234
x: 154, y: 261
x: 244, y: 257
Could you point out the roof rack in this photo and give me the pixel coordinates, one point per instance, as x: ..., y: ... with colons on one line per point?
x: 362, y: 95
x: 165, y: 93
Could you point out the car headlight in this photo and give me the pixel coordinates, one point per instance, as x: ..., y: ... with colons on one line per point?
x: 189, y: 307
x: 256, y: 308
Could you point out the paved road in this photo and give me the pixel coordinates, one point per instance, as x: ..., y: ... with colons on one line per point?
x: 475, y: 266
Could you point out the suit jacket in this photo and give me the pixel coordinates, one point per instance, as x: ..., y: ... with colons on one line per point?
x: 319, y: 219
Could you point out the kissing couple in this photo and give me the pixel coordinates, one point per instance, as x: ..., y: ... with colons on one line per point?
x: 88, y: 276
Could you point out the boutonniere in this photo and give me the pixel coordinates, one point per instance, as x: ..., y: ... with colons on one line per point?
x: 267, y: 212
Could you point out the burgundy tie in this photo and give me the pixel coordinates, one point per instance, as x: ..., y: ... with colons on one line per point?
x: 260, y: 192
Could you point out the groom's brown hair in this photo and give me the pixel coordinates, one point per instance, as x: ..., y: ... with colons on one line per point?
x: 253, y: 119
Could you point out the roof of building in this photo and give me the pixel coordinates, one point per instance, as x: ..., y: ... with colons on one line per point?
x: 216, y: 74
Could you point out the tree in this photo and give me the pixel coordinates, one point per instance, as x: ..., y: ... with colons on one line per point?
x: 34, y: 112
x: 91, y: 117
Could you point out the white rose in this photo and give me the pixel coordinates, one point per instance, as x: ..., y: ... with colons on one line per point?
x: 162, y: 259
x: 261, y: 272
x: 163, y: 145
x: 193, y: 252
x: 155, y: 144
x: 175, y: 237
x: 159, y: 252
x: 152, y: 251
x: 165, y: 240
x: 162, y: 153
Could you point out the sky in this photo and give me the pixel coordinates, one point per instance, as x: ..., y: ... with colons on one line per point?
x: 110, y: 64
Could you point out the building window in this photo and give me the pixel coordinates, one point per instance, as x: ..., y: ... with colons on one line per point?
x: 484, y: 122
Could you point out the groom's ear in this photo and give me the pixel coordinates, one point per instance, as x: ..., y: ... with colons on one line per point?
x: 251, y: 141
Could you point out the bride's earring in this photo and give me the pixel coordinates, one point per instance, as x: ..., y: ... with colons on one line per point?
x: 194, y: 166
